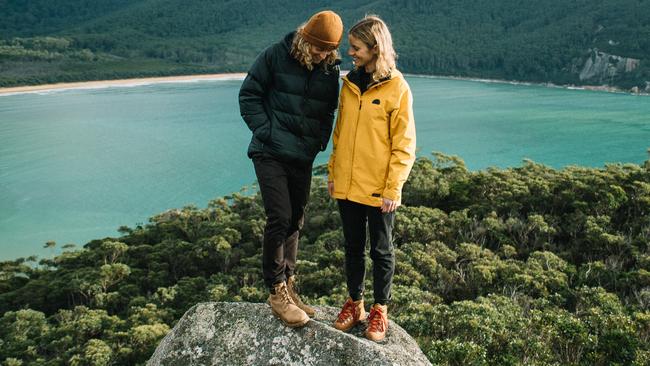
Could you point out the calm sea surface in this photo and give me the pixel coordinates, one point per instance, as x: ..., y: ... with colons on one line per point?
x: 77, y: 164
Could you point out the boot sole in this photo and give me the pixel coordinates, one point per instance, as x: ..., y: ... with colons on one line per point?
x: 290, y: 325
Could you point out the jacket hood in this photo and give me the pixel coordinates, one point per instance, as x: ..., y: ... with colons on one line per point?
x: 287, y: 40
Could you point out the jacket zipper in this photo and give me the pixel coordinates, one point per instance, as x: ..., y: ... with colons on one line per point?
x: 304, y: 104
x: 356, y: 130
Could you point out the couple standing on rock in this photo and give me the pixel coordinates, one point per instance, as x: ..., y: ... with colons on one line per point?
x: 288, y: 100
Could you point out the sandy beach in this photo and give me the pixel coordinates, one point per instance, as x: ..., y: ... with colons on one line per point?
x: 119, y: 82
x: 240, y: 76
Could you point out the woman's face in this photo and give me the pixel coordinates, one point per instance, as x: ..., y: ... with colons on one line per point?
x: 362, y: 55
x: 318, y: 54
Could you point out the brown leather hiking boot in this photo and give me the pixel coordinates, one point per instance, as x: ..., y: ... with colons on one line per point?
x: 285, y: 309
x: 291, y: 286
x: 351, y: 314
x: 377, y: 323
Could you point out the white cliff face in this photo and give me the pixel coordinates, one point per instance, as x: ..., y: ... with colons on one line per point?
x: 602, y: 67
x: 248, y: 334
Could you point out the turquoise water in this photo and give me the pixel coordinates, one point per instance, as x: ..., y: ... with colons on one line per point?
x: 77, y: 164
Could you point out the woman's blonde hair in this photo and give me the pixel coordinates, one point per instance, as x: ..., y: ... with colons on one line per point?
x: 300, y: 50
x: 372, y: 31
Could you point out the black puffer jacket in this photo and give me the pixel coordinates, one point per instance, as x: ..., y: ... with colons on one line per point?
x: 289, y: 109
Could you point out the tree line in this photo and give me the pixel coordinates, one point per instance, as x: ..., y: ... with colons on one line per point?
x: 543, y: 41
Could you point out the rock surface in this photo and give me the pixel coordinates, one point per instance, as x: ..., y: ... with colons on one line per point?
x: 601, y: 67
x: 219, y: 333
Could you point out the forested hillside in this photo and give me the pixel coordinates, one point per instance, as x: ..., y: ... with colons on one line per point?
x: 542, y: 41
x: 521, y: 266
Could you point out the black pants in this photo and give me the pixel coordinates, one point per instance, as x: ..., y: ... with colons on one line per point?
x: 355, y: 216
x: 285, y: 191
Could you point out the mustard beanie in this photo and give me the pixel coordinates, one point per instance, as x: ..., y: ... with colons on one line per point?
x: 324, y: 29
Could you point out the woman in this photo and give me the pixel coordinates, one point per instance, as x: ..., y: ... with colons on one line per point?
x: 288, y: 101
x: 374, y: 150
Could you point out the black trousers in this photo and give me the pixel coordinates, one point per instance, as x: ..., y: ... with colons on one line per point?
x: 355, y: 217
x: 285, y: 191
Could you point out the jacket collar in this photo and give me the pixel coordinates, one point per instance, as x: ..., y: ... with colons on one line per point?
x: 354, y: 75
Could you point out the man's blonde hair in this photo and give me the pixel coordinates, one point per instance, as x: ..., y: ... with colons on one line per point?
x: 372, y: 31
x: 300, y: 50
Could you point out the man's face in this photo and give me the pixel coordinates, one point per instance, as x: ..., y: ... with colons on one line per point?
x: 319, y: 54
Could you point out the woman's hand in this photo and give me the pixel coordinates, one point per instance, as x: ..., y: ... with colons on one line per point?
x: 388, y: 205
x: 330, y: 188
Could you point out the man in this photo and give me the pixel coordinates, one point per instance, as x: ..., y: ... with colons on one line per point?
x: 288, y: 101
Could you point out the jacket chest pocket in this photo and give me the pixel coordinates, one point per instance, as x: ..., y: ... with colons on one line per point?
x: 377, y: 119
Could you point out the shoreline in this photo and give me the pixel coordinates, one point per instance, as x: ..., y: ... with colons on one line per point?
x: 98, y: 84
x: 602, y: 88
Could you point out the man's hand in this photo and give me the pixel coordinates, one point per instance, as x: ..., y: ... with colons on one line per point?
x: 388, y: 205
x: 330, y: 188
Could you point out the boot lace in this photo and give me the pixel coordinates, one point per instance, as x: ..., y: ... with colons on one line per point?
x: 376, y: 320
x: 349, y: 310
x: 284, y: 293
x: 292, y: 288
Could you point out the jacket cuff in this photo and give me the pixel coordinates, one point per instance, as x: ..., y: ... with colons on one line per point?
x: 392, y: 195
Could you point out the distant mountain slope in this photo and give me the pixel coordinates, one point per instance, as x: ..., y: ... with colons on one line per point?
x: 544, y: 41
x: 20, y: 18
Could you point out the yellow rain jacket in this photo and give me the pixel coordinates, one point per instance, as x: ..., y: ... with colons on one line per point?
x: 373, y: 142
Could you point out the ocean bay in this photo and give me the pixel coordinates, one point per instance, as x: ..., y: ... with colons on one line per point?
x: 77, y: 164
